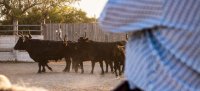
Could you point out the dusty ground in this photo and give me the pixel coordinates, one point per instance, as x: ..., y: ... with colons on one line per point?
x: 25, y: 74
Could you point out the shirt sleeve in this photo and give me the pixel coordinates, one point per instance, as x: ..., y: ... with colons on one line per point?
x: 130, y: 15
x: 135, y: 15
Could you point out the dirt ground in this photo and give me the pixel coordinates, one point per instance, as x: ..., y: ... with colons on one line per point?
x: 25, y: 74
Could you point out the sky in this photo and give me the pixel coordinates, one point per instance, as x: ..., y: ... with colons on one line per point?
x: 92, y: 7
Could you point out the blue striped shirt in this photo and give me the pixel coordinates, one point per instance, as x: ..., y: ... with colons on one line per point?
x: 163, y: 59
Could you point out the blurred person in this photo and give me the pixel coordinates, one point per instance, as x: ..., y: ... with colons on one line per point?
x: 162, y: 53
x: 5, y: 85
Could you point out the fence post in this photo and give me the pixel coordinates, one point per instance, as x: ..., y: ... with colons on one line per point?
x: 42, y: 27
x: 15, y: 27
x: 15, y: 30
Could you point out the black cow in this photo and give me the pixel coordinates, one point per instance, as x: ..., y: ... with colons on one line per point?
x: 81, y: 54
x: 42, y: 50
x: 119, y: 59
x: 96, y: 52
x: 116, y: 46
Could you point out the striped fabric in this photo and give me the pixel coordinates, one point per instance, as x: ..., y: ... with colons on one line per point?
x: 165, y: 59
x: 132, y: 15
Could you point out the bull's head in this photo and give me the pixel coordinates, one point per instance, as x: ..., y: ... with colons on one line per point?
x: 20, y: 45
x: 83, y: 39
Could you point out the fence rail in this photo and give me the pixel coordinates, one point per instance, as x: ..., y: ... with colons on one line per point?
x: 72, y: 30
x: 13, y: 29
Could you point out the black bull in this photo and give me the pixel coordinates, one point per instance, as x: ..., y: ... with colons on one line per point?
x: 43, y: 50
x: 96, y: 52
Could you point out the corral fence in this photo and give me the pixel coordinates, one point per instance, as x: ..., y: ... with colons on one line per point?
x: 9, y: 37
x: 72, y: 30
x: 75, y: 30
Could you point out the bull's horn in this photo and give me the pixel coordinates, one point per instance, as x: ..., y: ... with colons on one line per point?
x: 77, y: 34
x: 20, y: 33
x: 16, y: 33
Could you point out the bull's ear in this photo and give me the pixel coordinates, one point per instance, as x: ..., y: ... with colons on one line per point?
x: 16, y: 34
x: 77, y: 34
x: 20, y: 33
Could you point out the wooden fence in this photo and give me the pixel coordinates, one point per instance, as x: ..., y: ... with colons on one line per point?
x: 8, y: 37
x: 74, y: 31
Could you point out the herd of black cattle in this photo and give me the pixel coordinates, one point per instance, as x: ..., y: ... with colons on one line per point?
x: 41, y: 51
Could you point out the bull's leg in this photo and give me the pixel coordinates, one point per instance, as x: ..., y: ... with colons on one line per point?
x: 106, y: 66
x: 49, y: 67
x: 122, y: 68
x: 101, y: 65
x: 75, y: 66
x: 68, y: 63
x: 119, y: 69
x: 111, y: 66
x: 43, y: 67
x: 93, y: 64
x: 39, y: 65
x: 82, y: 70
x: 115, y: 68
x: 118, y: 66
x: 65, y: 65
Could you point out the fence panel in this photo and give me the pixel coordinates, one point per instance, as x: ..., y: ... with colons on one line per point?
x: 74, y: 31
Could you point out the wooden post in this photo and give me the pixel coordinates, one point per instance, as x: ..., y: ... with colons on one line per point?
x: 15, y: 30
x: 42, y: 27
x: 15, y: 27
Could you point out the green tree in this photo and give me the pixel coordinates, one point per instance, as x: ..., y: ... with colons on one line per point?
x: 15, y: 9
x: 77, y: 16
x: 64, y: 14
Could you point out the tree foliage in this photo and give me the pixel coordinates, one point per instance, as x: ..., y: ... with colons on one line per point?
x: 16, y: 9
x: 13, y: 9
x: 56, y: 15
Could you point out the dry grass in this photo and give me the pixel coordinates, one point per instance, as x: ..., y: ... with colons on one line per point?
x: 24, y: 74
